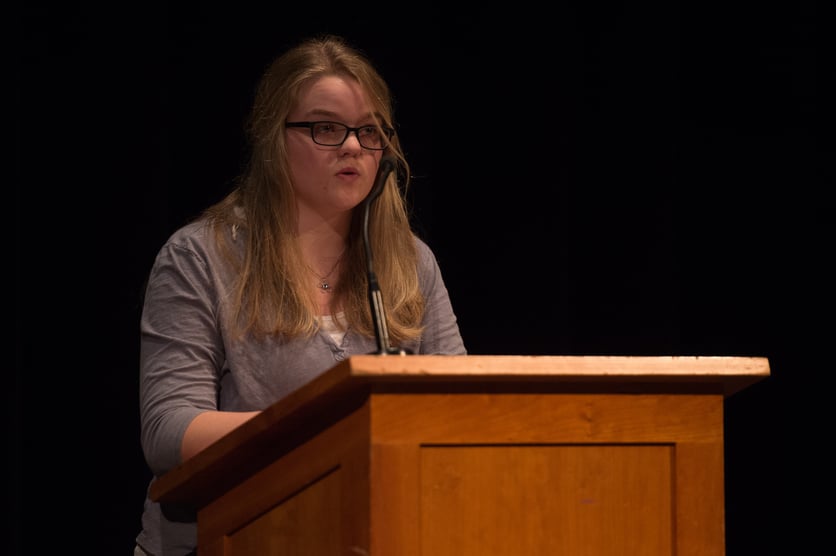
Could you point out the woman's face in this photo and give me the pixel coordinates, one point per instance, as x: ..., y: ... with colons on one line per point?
x: 331, y: 179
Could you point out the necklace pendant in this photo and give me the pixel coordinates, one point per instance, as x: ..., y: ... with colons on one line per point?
x: 325, y: 287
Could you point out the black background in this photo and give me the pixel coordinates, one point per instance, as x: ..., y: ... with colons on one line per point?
x: 608, y: 178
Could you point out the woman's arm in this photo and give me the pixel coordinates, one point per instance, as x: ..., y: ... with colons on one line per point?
x: 208, y: 427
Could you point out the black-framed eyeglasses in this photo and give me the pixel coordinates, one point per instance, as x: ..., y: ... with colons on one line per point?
x: 334, y: 134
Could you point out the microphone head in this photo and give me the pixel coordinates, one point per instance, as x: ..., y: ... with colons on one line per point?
x: 386, y: 166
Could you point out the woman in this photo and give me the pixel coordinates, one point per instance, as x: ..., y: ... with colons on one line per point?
x: 269, y: 287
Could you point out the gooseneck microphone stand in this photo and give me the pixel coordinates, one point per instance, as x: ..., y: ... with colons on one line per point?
x: 381, y: 331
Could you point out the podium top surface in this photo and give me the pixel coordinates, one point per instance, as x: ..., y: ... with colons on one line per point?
x: 348, y: 382
x: 744, y: 370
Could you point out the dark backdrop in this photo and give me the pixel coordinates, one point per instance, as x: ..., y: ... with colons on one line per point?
x: 594, y: 179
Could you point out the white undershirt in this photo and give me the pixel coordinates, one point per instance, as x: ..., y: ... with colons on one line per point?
x: 329, y: 326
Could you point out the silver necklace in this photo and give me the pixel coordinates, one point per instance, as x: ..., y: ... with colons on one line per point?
x: 323, y: 280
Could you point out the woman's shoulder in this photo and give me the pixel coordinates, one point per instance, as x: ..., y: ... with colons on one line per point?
x: 201, y: 238
x: 197, y: 233
x: 427, y: 261
x: 422, y: 249
x: 200, y: 231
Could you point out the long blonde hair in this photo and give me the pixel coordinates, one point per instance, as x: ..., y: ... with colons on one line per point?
x: 270, y: 295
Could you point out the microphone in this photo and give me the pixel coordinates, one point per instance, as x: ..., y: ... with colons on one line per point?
x: 381, y: 331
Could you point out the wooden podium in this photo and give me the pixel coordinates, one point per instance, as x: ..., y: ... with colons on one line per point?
x: 433, y: 455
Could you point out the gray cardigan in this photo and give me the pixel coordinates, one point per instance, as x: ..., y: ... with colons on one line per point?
x: 189, y: 365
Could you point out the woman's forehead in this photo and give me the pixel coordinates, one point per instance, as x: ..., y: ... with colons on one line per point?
x: 333, y: 93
